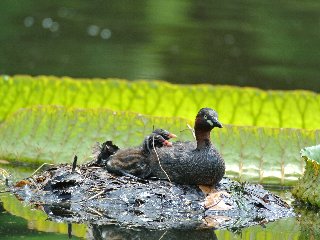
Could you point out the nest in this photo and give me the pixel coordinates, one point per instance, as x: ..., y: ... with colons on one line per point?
x: 89, y: 194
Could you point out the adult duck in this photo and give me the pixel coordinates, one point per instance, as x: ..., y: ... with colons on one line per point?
x: 191, y: 162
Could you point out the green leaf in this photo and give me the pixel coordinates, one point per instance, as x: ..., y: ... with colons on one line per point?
x: 55, y: 134
x: 308, y: 188
x: 312, y: 153
x: 235, y: 105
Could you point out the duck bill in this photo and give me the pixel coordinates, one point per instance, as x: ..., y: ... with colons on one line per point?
x: 218, y: 124
x: 214, y: 123
x: 171, y: 135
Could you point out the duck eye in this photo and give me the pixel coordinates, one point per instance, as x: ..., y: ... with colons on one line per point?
x: 205, y: 116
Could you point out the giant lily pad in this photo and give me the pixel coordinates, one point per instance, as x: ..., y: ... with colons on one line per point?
x: 236, y: 105
x: 54, y: 134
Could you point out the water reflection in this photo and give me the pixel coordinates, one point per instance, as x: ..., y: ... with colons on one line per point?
x: 256, y: 43
x: 112, y: 232
x: 21, y: 220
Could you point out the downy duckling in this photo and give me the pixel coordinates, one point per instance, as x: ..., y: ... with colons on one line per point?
x: 133, y: 161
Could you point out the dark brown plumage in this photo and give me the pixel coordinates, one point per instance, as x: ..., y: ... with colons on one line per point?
x: 191, y: 162
x: 133, y: 161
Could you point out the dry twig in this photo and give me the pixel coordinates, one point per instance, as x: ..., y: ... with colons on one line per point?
x: 95, y: 211
x: 98, y: 194
x: 40, y: 168
x: 154, y: 148
x: 192, y: 131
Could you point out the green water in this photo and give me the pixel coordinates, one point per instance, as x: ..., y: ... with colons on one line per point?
x: 15, y: 227
x: 268, y: 44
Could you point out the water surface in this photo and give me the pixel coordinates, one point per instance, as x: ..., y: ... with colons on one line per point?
x: 269, y: 44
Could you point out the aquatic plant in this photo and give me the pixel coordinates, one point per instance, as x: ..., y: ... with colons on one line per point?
x: 235, y: 105
x: 55, y: 134
x: 307, y: 188
x: 256, y: 147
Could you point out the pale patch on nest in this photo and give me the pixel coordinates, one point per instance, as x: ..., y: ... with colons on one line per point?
x: 214, y: 199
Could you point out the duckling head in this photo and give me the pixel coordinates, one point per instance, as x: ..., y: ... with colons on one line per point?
x: 164, y: 133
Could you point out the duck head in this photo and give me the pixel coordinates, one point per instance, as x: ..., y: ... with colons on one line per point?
x: 155, y: 140
x: 206, y: 120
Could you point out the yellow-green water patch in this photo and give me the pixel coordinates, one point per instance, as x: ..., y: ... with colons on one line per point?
x: 37, y: 219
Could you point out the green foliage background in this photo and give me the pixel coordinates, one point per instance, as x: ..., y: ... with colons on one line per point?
x: 74, y: 114
x: 235, y: 105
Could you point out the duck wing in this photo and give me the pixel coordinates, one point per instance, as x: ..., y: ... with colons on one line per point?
x: 129, y: 162
x: 184, y: 163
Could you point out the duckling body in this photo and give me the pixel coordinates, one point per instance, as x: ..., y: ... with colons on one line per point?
x: 134, y: 162
x: 191, y: 162
x: 130, y: 162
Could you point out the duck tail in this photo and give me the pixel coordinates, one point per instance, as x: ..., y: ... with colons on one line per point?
x: 102, y: 152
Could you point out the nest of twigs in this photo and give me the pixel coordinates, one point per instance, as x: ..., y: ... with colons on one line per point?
x: 88, y: 193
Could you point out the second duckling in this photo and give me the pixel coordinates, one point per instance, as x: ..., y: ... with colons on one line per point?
x: 133, y: 161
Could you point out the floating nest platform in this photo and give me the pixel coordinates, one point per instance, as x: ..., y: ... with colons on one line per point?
x: 90, y: 194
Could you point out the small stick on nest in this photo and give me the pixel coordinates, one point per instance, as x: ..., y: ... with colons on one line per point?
x: 154, y: 148
x: 74, y: 164
x: 95, y: 211
x: 41, y: 167
x: 213, y: 204
x: 98, y: 194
